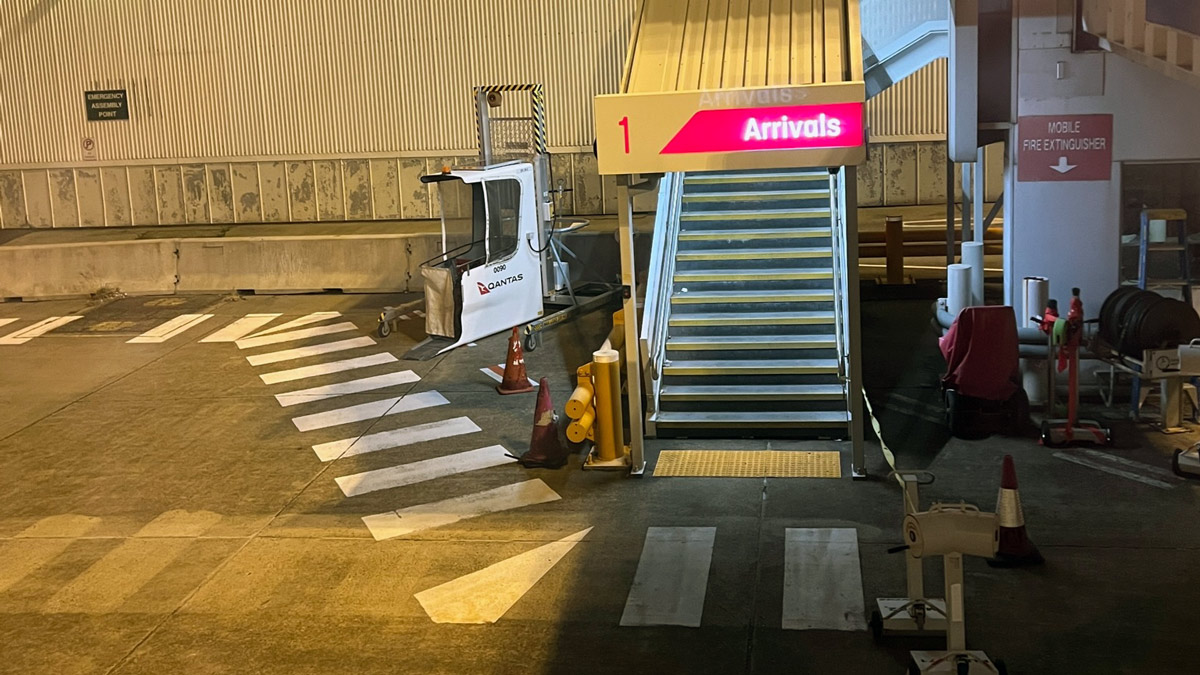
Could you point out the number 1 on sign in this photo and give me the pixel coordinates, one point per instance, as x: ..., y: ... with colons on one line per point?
x: 625, y: 125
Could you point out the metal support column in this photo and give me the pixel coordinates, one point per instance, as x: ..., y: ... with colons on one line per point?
x: 967, y: 201
x: 979, y: 196
x: 633, y: 357
x: 951, y: 215
x: 849, y: 208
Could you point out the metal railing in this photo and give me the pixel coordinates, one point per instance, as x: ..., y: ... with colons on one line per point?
x: 659, y: 283
x: 838, y: 265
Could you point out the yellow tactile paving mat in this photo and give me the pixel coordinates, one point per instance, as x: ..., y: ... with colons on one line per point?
x: 749, y: 464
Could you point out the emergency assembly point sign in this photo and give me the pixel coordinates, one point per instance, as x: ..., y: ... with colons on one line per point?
x: 751, y: 128
x: 1064, y: 148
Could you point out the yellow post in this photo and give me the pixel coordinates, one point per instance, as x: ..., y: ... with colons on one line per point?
x: 581, y: 398
x: 581, y: 428
x: 610, y: 427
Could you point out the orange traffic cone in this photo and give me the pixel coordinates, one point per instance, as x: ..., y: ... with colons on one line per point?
x: 546, y: 449
x: 1015, y: 549
x: 515, y: 380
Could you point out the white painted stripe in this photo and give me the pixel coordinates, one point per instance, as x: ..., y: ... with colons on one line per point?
x: 36, y: 330
x: 672, y: 577
x: 170, y: 329
x: 241, y: 328
x: 342, y: 388
x: 372, y: 410
x: 5, y: 322
x: 436, y: 514
x: 39, y: 544
x: 822, y: 580
x: 496, y: 372
x: 1113, y: 470
x: 419, y: 472
x: 276, y: 338
x: 1140, y: 466
x: 485, y: 596
x: 305, y: 352
x: 384, y: 440
x: 296, y: 323
x: 116, y: 577
x: 327, y: 368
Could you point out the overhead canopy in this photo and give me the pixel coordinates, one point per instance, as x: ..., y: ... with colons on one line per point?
x: 711, y: 84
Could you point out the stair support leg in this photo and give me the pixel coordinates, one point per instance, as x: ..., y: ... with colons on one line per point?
x: 633, y: 357
x: 849, y: 209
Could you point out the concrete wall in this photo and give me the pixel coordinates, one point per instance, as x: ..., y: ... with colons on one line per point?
x: 280, y: 191
x: 1070, y: 231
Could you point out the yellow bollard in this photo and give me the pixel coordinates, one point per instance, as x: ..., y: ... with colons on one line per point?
x: 581, y: 429
x: 581, y: 398
x: 610, y: 429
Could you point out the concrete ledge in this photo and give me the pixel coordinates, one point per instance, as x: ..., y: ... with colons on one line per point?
x: 57, y: 270
x: 309, y: 263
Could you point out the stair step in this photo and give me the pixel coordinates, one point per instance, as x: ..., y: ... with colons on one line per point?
x: 694, y: 276
x: 759, y: 214
x: 752, y: 367
x: 755, y: 254
x: 753, y: 319
x: 754, y: 196
x: 753, y: 342
x: 709, y: 297
x: 756, y: 177
x: 756, y: 233
x: 734, y: 394
x: 806, y: 418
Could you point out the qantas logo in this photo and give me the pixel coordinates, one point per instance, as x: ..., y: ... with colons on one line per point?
x: 493, y: 285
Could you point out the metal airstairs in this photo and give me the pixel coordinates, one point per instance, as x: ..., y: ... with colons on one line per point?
x: 745, y: 307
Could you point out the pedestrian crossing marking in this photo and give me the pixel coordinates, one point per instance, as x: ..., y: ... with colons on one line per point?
x: 496, y: 372
x: 38, y: 329
x: 315, y: 317
x: 170, y: 329
x: 486, y: 595
x: 672, y: 578
x: 372, y: 410
x: 241, y: 328
x: 113, y: 579
x: 327, y: 368
x: 349, y: 387
x: 425, y: 470
x: 395, y: 438
x: 276, y: 338
x: 403, y: 522
x: 39, y: 544
x: 305, y: 352
x: 822, y: 580
x: 5, y: 322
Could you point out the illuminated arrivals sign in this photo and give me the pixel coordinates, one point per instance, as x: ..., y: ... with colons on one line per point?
x: 776, y: 127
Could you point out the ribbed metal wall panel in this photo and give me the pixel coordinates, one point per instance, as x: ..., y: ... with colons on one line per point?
x: 287, y: 78
x: 913, y: 108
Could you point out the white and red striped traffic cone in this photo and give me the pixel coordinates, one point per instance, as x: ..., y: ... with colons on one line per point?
x: 1015, y: 549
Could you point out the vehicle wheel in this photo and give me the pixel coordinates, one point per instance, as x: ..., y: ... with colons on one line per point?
x: 385, y: 329
x: 1047, y: 436
x: 955, y: 415
x: 1175, y: 464
x: 963, y: 668
x: 876, y: 625
x: 1000, y: 667
x: 913, y: 669
x: 532, y: 341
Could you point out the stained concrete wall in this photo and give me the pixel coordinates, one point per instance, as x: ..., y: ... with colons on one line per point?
x: 306, y: 190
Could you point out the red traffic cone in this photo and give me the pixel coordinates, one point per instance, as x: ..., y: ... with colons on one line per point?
x: 546, y: 449
x: 1015, y: 549
x: 515, y: 380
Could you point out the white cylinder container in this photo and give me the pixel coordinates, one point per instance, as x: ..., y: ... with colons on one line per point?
x: 972, y: 254
x: 958, y: 288
x: 1036, y: 291
x: 1158, y: 231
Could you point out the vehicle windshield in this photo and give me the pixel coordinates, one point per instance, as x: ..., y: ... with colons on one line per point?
x: 464, y: 227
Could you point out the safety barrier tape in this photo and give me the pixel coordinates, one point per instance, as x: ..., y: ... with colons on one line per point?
x: 887, y: 452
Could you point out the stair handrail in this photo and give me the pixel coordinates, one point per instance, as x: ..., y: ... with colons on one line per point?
x: 838, y: 242
x: 659, y: 282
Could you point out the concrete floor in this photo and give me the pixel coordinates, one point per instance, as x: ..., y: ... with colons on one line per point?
x: 159, y: 512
